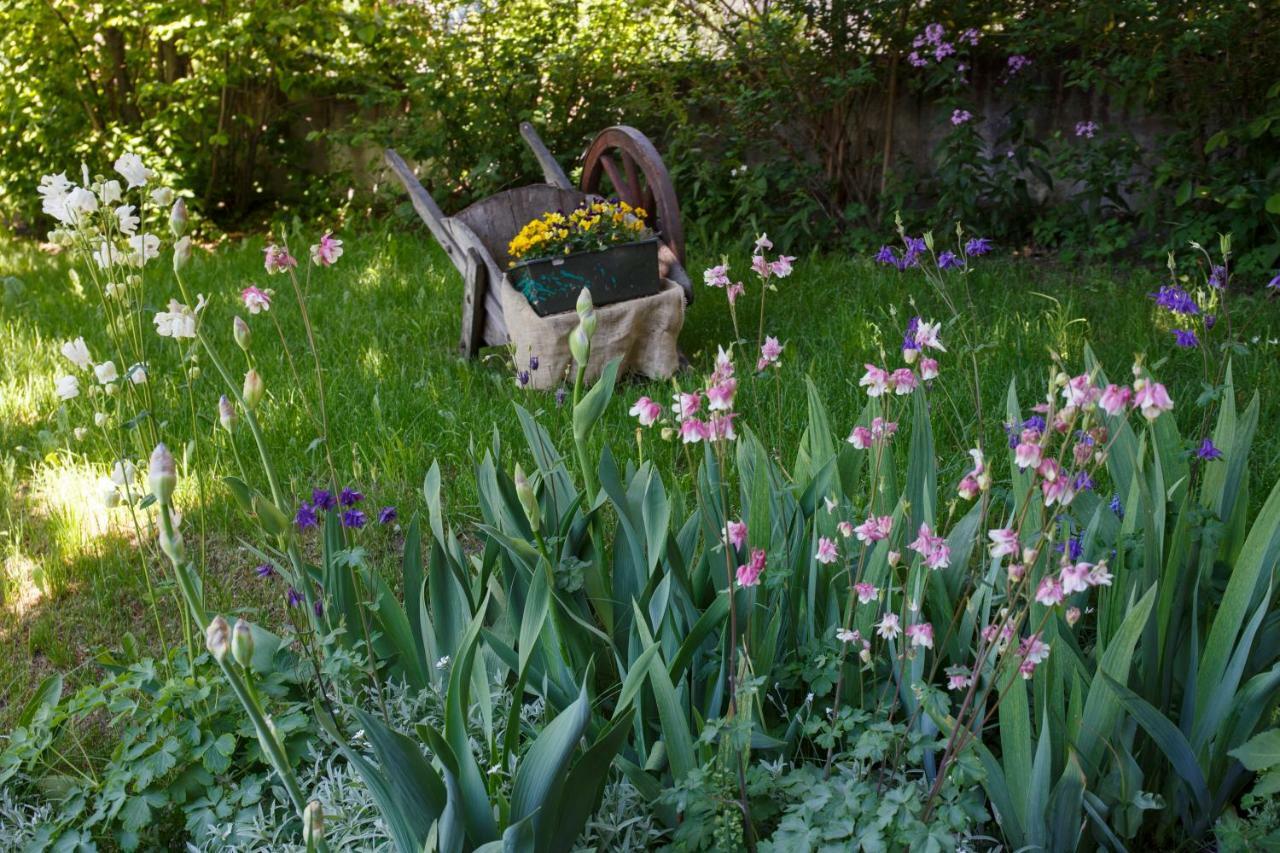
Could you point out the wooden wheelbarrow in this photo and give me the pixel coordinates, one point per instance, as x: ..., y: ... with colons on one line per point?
x: 621, y: 162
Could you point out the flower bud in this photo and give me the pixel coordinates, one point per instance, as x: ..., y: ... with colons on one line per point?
x: 1073, y: 615
x: 253, y: 388
x: 172, y: 545
x: 587, y: 312
x: 217, y: 638
x: 227, y: 413
x: 313, y: 823
x: 242, y: 643
x: 528, y: 500
x: 181, y: 254
x: 241, y: 332
x: 163, y: 473
x: 178, y: 219
x: 580, y: 345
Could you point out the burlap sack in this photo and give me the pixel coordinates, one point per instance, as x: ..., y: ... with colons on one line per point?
x: 642, y: 332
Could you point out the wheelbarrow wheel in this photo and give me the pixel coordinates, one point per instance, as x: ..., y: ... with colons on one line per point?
x: 623, y: 163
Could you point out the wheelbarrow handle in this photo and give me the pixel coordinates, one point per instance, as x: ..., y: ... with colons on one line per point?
x: 550, y: 168
x: 426, y: 206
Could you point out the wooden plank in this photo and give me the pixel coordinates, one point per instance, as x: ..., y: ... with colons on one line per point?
x: 475, y: 290
x: 550, y: 167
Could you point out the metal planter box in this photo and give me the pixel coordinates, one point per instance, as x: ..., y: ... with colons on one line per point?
x: 615, y: 274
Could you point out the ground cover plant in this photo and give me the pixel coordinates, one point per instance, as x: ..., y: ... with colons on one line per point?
x: 914, y: 556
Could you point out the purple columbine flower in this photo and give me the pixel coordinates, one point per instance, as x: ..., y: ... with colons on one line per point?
x: 318, y: 607
x: 948, y: 261
x: 293, y: 597
x: 1116, y: 507
x: 323, y: 499
x: 265, y: 570
x: 522, y: 378
x: 909, y: 336
x: 353, y: 518
x: 1210, y: 320
x: 887, y: 256
x: 1207, y: 450
x: 1185, y: 338
x: 1173, y: 298
x: 533, y: 362
x: 1075, y: 548
x: 306, y: 516
x: 1083, y: 482
x: 350, y: 497
x: 1274, y: 284
x: 387, y: 514
x: 977, y: 246
x: 1218, y: 276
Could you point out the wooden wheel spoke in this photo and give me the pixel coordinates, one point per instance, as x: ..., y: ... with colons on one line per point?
x: 640, y: 179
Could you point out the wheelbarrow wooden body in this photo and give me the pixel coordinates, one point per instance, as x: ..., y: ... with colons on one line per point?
x: 476, y: 239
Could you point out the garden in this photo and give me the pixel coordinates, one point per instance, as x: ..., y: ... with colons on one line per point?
x: 861, y: 436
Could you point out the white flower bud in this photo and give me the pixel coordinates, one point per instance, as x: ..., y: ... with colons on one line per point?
x: 242, y: 643
x: 217, y: 638
x: 528, y: 500
x: 178, y: 219
x: 580, y: 345
x: 241, y: 332
x: 181, y: 254
x: 227, y: 413
x: 253, y: 388
x: 163, y: 474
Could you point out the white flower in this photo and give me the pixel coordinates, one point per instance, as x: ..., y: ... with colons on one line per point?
x: 68, y: 387
x: 109, y: 192
x: 443, y: 662
x: 137, y: 374
x: 127, y: 218
x: 77, y: 352
x: 55, y: 189
x: 80, y: 202
x: 162, y: 196
x: 143, y: 248
x: 80, y: 433
x: 106, y: 372
x: 99, y: 418
x: 131, y: 168
x: 180, y: 320
x: 109, y: 492
x: 123, y: 473
x: 107, y: 254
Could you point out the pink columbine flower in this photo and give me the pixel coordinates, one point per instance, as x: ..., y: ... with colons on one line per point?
x: 904, y: 381
x: 720, y: 427
x: 717, y: 276
x: 845, y: 528
x: 687, y: 404
x: 1074, y: 577
x: 1080, y: 392
x: 763, y: 243
x: 720, y: 395
x: 1050, y: 591
x: 781, y: 268
x: 1033, y: 650
x: 1151, y: 398
x: 827, y: 553
x: 889, y: 626
x: 860, y: 438
x: 760, y: 266
x: 875, y: 528
x: 1003, y: 542
x: 770, y: 352
x: 1016, y: 572
x: 277, y: 259
x: 921, y: 634
x: 928, y: 368
x: 693, y: 430
x: 1073, y: 616
x: 958, y: 678
x: 647, y: 411
x: 969, y: 487
x: 1057, y: 491
x: 736, y: 534
x: 932, y: 548
x: 880, y: 428
x: 749, y: 573
x: 1115, y: 399
x: 724, y: 366
x: 844, y: 635
x: 1099, y: 576
x: 735, y: 290
x: 927, y: 336
x: 327, y: 251
x: 255, y: 300
x: 1027, y: 455
x: 875, y: 380
x: 866, y: 592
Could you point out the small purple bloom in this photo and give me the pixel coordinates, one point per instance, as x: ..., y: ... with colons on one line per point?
x: 1218, y: 277
x: 1207, y: 450
x: 949, y: 261
x: 1274, y: 284
x: 909, y: 336
x: 970, y: 37
x: 1210, y: 320
x: 886, y: 255
x: 387, y: 514
x: 265, y: 570
x: 1116, y: 507
x: 306, y: 516
x: 1086, y: 129
x: 293, y: 597
x: 562, y: 394
x: 943, y: 50
x: 1083, y: 482
x: 318, y: 607
x: 1017, y: 62
x: 959, y: 117
x: 916, y: 59
x: 1185, y: 338
x: 350, y: 497
x: 1075, y: 548
x: 353, y: 518
x: 977, y: 246
x: 1173, y: 298
x: 522, y: 378
x: 934, y: 32
x: 533, y: 362
x: 322, y: 499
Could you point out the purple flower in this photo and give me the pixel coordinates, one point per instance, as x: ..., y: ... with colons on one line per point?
x: 977, y: 246
x: 533, y: 362
x: 949, y: 261
x: 959, y: 117
x: 886, y: 255
x: 522, y: 378
x: 1083, y: 482
x: 265, y: 570
x: 353, y: 518
x: 318, y: 607
x: 1075, y: 548
x: 322, y: 499
x: 1185, y: 338
x: 1115, y: 506
x: 970, y: 37
x: 387, y: 514
x: 916, y: 59
x: 350, y: 497
x: 934, y: 32
x: 1210, y: 320
x: 1175, y: 299
x: 1274, y: 284
x: 1207, y: 450
x: 1086, y: 129
x: 306, y: 516
x: 1017, y: 62
x: 293, y: 597
x: 562, y: 394
x: 1218, y: 276
x: 909, y: 336
x: 943, y: 50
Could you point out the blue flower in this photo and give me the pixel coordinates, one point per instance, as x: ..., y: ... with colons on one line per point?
x: 533, y: 362
x: 1207, y: 450
x: 323, y: 499
x: 522, y: 378
x: 909, y: 336
x: 1218, y: 277
x: 293, y: 597
x: 306, y: 516
x: 353, y: 518
x: 977, y: 246
x: 1175, y: 299
x: 350, y: 497
x: 949, y: 261
x: 886, y: 256
x: 387, y: 514
x: 1210, y: 320
x: 265, y: 570
x: 562, y: 394
x: 1116, y: 507
x: 1274, y: 284
x: 1083, y: 482
x: 1185, y: 338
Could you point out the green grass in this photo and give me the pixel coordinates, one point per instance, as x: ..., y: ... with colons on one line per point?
x: 387, y: 317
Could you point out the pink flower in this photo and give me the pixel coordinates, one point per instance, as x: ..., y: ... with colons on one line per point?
x: 717, y: 276
x: 875, y: 380
x: 647, y: 411
x: 894, y: 557
x: 921, y: 634
x: 1027, y: 455
x: 845, y: 528
x: 1003, y: 542
x: 770, y: 352
x: 736, y: 533
x: 763, y: 243
x: 1074, y: 577
x: 959, y: 117
x: 693, y: 430
x: 928, y: 368
x: 1057, y: 491
x: 1080, y: 391
x: 327, y: 251
x: 880, y: 428
x: 1073, y: 615
x: 958, y: 678
x: 904, y: 381
x: 844, y: 635
x: 255, y: 300
x: 933, y: 549
x: 1099, y: 576
x: 761, y: 266
x: 687, y: 405
x: 888, y: 627
x: 1034, y: 649
x: 734, y: 291
x: 1115, y: 399
x: 927, y: 336
x: 277, y: 259
x: 1151, y: 398
x: 781, y: 268
x: 749, y: 573
x: 1050, y: 592
x: 968, y: 488
x: 720, y: 427
x: 866, y: 592
x: 720, y: 395
x: 827, y: 553
x: 875, y: 528
x: 860, y: 438
x: 724, y: 366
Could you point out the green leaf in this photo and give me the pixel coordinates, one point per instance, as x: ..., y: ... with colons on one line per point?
x: 1260, y: 752
x: 594, y: 402
x: 535, y: 614
x: 1102, y: 710
x: 1064, y: 809
x: 635, y: 679
x: 1273, y: 203
x: 47, y: 695
x: 675, y: 726
x: 541, y: 774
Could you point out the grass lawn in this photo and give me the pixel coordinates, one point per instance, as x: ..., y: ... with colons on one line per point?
x: 387, y: 319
